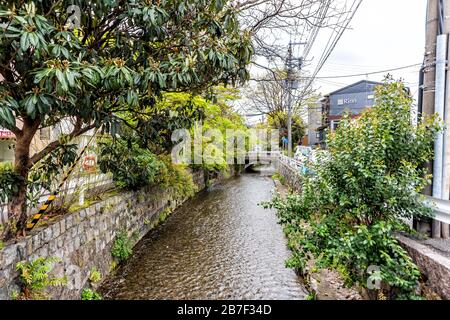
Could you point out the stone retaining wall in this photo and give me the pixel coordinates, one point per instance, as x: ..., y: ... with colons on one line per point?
x: 83, y: 240
x: 291, y: 176
x: 434, y: 266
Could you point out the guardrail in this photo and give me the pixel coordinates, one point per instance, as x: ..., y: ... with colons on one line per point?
x: 441, y: 209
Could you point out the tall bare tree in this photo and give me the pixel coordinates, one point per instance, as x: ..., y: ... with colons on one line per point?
x: 267, y: 95
x: 272, y: 24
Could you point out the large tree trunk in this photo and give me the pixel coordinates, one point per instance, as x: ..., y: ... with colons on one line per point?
x: 17, y: 210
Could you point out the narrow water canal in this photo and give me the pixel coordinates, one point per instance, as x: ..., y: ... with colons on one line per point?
x: 219, y: 245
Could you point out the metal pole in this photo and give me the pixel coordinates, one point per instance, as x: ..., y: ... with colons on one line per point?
x: 445, y: 194
x: 445, y: 228
x: 441, y: 57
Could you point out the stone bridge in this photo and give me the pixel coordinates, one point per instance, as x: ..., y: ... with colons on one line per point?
x: 262, y: 157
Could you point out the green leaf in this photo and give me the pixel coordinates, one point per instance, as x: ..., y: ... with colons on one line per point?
x: 30, y: 104
x: 41, y: 75
x: 24, y: 44
x: 62, y: 80
x: 65, y: 52
x: 70, y: 78
x: 7, y: 115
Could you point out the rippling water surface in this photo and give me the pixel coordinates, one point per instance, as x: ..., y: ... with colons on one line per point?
x: 220, y: 245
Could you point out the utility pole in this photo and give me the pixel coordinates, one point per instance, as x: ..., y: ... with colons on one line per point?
x: 429, y: 69
x: 436, y: 99
x: 290, y: 80
x: 289, y: 85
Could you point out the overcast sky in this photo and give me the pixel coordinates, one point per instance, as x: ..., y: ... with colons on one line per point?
x: 384, y: 34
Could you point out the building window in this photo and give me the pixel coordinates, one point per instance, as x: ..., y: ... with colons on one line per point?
x: 334, y: 125
x: 370, y: 97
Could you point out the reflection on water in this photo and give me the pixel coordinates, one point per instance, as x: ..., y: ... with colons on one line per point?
x: 220, y: 245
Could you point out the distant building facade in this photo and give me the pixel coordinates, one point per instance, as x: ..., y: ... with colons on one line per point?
x: 314, y: 123
x: 42, y: 138
x: 352, y: 99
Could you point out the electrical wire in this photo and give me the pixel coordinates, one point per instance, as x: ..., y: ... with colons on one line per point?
x: 365, y: 73
x: 335, y: 41
x: 323, y: 10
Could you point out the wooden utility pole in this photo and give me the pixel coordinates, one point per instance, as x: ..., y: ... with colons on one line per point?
x: 290, y: 84
x: 434, y: 88
x: 429, y: 62
x: 429, y: 78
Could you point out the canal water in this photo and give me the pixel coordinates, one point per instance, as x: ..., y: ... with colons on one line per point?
x: 219, y: 245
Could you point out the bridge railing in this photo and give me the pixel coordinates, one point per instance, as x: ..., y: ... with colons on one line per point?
x: 273, y: 154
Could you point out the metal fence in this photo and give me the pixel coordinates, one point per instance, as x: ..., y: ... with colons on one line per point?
x: 72, y: 186
x: 293, y: 163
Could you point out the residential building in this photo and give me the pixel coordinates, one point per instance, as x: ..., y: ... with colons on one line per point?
x: 6, y: 145
x: 352, y: 99
x: 42, y: 138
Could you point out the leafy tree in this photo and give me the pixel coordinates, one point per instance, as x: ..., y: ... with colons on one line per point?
x: 219, y: 117
x: 173, y: 110
x: 132, y: 167
x: 370, y: 179
x: 8, y: 179
x: 177, y: 179
x: 119, y: 60
x: 279, y: 120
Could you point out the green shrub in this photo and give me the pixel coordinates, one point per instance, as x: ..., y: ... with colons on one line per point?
x: 95, y: 276
x: 132, y: 167
x: 280, y: 178
x: 35, y: 278
x: 122, y: 248
x: 310, y: 297
x: 370, y: 178
x: 89, y: 294
x: 177, y: 178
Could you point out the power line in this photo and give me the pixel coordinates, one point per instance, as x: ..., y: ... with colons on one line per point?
x: 323, y: 9
x: 351, y: 75
x: 338, y: 36
x: 366, y: 73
